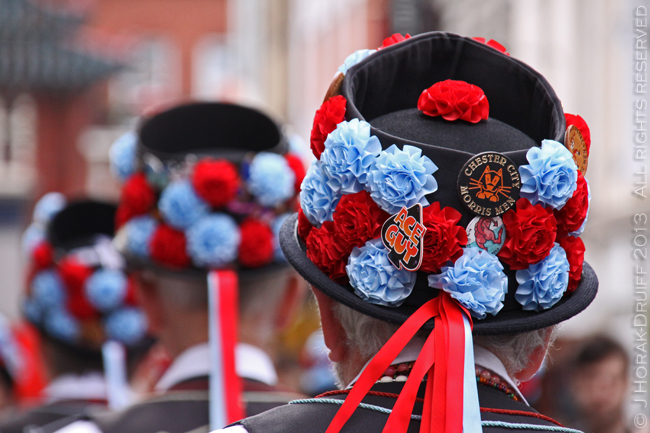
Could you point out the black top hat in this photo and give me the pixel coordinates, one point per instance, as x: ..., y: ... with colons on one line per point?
x: 406, y: 132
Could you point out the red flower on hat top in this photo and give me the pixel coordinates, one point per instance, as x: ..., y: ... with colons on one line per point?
x: 256, y: 247
x: 74, y: 276
x: 357, y: 219
x: 454, y: 100
x: 168, y: 247
x: 530, y: 234
x: 443, y: 239
x: 216, y: 182
x: 579, y: 122
x: 575, y: 253
x: 330, y: 114
x: 395, y: 38
x: 137, y: 196
x: 326, y: 252
x: 298, y: 168
x: 572, y: 215
x: 304, y: 226
x: 43, y: 255
x: 494, y: 44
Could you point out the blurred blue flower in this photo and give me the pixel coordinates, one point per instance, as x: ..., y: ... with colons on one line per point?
x: 213, y: 241
x: 401, y: 178
x: 48, y: 290
x: 354, y: 58
x: 551, y: 175
x: 106, y: 289
x: 139, y: 231
x: 578, y: 232
x: 270, y: 179
x: 349, y: 153
x: 61, y: 325
x: 32, y: 237
x: 122, y: 156
x: 127, y: 325
x: 48, y: 206
x: 375, y: 279
x: 317, y: 200
x: 542, y: 285
x: 32, y: 311
x: 180, y: 206
x: 476, y: 281
x: 276, y: 225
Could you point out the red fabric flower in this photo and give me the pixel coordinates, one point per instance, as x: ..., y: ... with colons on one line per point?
x: 74, y: 276
x: 454, y: 100
x: 168, y: 247
x: 256, y: 247
x: 494, y: 44
x: 575, y: 253
x: 298, y: 168
x: 571, y: 217
x: 394, y: 39
x: 122, y: 216
x: 216, y: 182
x: 80, y: 308
x: 137, y: 196
x: 131, y: 297
x: 325, y: 251
x: 530, y: 234
x: 43, y: 255
x: 357, y: 219
x: 304, y: 226
x: 443, y: 239
x: 330, y: 114
x: 579, y: 122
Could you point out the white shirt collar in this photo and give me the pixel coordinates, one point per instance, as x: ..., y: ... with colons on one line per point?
x: 482, y: 357
x: 251, y: 363
x: 90, y: 386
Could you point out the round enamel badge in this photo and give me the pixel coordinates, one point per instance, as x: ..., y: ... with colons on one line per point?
x: 576, y: 144
x: 486, y: 233
x: 489, y: 184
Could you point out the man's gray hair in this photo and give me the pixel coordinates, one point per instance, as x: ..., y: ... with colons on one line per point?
x: 367, y: 335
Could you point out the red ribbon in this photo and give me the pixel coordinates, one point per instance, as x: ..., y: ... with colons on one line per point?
x: 444, y: 349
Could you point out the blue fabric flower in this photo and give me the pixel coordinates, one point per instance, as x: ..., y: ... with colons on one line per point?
x: 374, y: 277
x: 126, y: 325
x: 551, y: 175
x: 32, y: 311
x: 476, y: 281
x: 401, y: 178
x: 122, y: 156
x: 213, y: 241
x: 106, y: 289
x: 276, y: 225
x: 32, y: 237
x: 317, y: 200
x: 354, y: 58
x: 48, y: 206
x: 542, y: 285
x: 180, y: 206
x: 270, y: 179
x: 349, y: 153
x: 139, y: 231
x: 578, y: 232
x: 48, y: 290
x: 62, y: 325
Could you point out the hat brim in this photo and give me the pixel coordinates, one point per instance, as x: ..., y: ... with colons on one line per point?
x: 505, y: 322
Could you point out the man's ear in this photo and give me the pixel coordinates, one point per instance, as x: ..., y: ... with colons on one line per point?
x: 294, y: 295
x: 150, y: 302
x: 536, y: 359
x: 333, y: 332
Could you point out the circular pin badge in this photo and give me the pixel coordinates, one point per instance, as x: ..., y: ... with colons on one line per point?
x: 576, y: 144
x: 489, y: 184
x: 486, y: 233
x: 335, y: 86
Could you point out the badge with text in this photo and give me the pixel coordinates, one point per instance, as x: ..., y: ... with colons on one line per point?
x: 403, y: 236
x: 486, y: 233
x: 576, y: 144
x: 489, y: 184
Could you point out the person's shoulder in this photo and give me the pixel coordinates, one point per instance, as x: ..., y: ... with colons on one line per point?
x: 41, y: 416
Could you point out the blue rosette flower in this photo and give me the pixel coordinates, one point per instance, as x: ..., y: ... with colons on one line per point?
x: 127, y: 325
x: 48, y: 290
x: 106, y: 289
x: 62, y: 325
x: 276, y: 225
x: 270, y: 179
x: 213, y: 241
x: 349, y: 153
x: 48, y: 206
x: 317, y: 200
x: 476, y: 281
x: 32, y: 237
x: 374, y: 277
x: 354, y: 58
x: 584, y: 223
x: 543, y: 284
x: 139, y: 231
x: 122, y: 156
x: 32, y: 311
x: 401, y: 178
x: 180, y: 206
x: 551, y: 175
